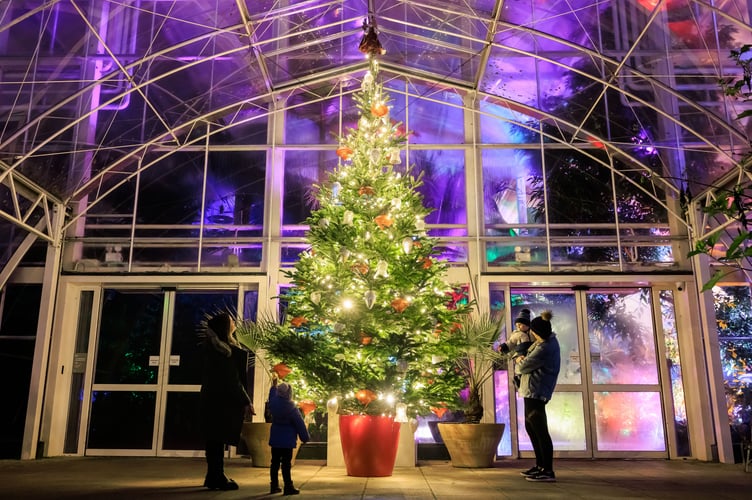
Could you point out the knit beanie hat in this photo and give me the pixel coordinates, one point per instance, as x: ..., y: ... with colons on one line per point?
x: 524, y: 317
x: 284, y: 391
x: 542, y: 324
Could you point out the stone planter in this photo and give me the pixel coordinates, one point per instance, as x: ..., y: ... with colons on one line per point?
x: 256, y: 438
x: 471, y: 445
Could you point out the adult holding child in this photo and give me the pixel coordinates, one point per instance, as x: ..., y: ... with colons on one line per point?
x: 539, y: 371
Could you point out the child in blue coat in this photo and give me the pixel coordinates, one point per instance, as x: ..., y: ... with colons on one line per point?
x: 287, y: 427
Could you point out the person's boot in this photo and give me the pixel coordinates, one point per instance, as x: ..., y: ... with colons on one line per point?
x: 274, y: 488
x: 290, y: 490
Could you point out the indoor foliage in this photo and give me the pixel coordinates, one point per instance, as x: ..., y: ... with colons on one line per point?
x: 732, y: 203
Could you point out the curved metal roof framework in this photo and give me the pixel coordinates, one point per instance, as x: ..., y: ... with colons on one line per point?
x: 95, y: 92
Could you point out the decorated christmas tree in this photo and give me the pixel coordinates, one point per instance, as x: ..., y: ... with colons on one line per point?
x: 370, y: 315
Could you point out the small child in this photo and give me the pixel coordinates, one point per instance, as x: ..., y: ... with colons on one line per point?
x: 519, y: 341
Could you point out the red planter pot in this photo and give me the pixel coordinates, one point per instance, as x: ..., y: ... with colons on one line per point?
x: 369, y: 444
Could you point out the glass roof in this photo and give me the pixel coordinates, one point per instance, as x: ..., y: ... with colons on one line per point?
x: 103, y: 83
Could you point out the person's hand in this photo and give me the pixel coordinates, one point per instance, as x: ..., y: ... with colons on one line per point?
x: 248, y: 412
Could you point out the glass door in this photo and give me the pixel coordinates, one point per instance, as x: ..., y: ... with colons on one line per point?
x: 608, y: 399
x: 147, y: 375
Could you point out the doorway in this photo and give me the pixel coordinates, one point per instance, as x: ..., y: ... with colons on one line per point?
x: 144, y: 397
x: 608, y: 400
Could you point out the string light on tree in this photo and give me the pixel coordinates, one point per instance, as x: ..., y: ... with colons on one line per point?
x: 370, y: 296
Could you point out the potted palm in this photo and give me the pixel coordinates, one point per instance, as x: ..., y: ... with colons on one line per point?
x: 471, y: 443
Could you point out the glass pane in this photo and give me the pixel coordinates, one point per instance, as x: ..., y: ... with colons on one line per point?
x: 443, y: 187
x: 629, y: 421
x: 303, y: 169
x: 502, y: 410
x: 129, y: 333
x: 78, y: 370
x: 191, y: 308
x: 733, y: 308
x: 564, y: 323
x: 566, y: 422
x: 673, y: 363
x: 181, y: 427
x: 20, y: 310
x: 16, y: 357
x: 622, y: 341
x: 121, y: 420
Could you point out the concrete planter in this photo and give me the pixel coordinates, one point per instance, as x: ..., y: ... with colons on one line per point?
x: 256, y: 438
x: 471, y: 445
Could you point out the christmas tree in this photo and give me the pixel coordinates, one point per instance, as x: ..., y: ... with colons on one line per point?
x: 370, y: 317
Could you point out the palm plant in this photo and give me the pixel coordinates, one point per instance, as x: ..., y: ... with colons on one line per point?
x: 476, y: 347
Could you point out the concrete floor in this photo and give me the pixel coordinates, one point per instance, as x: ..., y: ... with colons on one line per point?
x: 178, y: 478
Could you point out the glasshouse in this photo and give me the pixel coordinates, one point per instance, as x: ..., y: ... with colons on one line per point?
x: 352, y: 180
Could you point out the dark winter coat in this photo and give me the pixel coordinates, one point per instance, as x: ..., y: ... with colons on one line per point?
x: 223, y: 394
x: 539, y: 369
x: 287, y: 423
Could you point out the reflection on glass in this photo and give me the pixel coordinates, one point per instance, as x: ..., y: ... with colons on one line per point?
x: 182, y: 425
x: 502, y: 411
x: 673, y: 363
x: 121, y: 420
x: 629, y: 421
x: 622, y: 342
x: 733, y: 308
x: 191, y: 309
x: 566, y: 422
x: 129, y: 335
x: 564, y: 324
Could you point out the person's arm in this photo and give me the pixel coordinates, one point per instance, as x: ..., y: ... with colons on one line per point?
x: 300, y: 427
x: 535, y: 359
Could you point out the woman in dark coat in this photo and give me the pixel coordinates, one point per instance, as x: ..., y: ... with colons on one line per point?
x: 224, y: 400
x: 287, y: 427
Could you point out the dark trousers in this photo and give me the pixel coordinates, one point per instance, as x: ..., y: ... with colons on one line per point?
x: 281, y: 457
x: 215, y: 454
x: 536, y: 425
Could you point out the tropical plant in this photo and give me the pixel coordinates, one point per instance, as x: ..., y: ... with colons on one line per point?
x: 256, y: 335
x: 733, y: 203
x: 477, y: 355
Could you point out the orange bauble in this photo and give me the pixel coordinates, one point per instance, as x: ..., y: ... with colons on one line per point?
x: 427, y: 263
x: 364, y: 396
x: 344, y: 152
x: 360, y: 267
x: 282, y: 370
x: 298, y: 321
x: 379, y: 109
x: 440, y: 411
x: 383, y: 221
x: 307, y: 406
x: 366, y: 191
x: 399, y: 304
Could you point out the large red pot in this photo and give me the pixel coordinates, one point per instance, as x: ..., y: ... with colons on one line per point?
x: 369, y: 444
